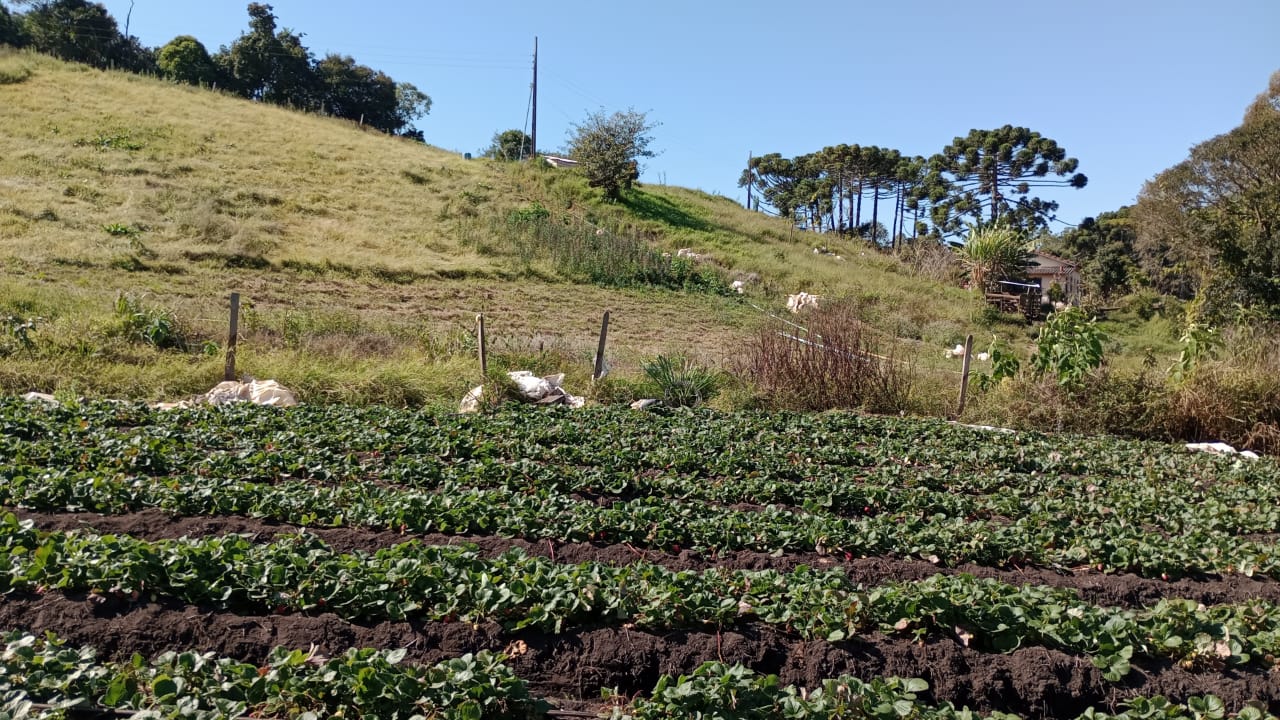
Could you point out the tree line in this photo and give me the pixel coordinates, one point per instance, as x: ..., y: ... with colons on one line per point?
x: 1205, y: 230
x: 985, y: 177
x: 265, y: 63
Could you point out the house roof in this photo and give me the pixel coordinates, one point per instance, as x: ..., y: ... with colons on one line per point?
x: 1054, y: 258
x: 557, y: 161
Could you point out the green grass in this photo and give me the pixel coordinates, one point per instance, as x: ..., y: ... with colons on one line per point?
x: 364, y: 259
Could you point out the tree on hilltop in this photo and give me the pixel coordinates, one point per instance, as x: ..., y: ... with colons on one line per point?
x: 509, y: 145
x: 609, y: 148
x: 270, y: 65
x: 81, y: 31
x: 185, y: 59
x: 992, y: 172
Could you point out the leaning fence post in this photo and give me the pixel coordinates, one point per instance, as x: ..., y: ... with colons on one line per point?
x: 598, y: 372
x: 964, y: 375
x: 229, y: 373
x: 484, y: 358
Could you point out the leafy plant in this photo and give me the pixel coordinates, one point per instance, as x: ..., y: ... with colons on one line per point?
x: 292, y: 683
x: 533, y: 212
x: 1069, y: 347
x: 1004, y: 364
x: 17, y: 332
x: 1199, y: 341
x: 120, y: 230
x: 153, y: 326
x: 682, y: 382
x: 118, y: 140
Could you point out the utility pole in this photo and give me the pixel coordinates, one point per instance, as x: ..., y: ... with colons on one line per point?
x: 749, y: 183
x: 533, y: 137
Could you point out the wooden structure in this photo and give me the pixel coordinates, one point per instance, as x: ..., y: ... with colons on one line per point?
x: 1015, y: 297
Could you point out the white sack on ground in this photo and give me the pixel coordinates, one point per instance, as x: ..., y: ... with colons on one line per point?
x: 40, y: 397
x: 258, y: 392
x: 531, y: 388
x: 1221, y: 448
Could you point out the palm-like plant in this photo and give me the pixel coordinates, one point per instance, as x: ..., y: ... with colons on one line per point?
x: 993, y: 253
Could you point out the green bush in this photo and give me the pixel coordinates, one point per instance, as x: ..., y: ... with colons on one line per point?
x: 157, y: 327
x: 1069, y: 347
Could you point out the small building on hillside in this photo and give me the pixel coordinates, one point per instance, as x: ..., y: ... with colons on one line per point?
x: 1045, y: 270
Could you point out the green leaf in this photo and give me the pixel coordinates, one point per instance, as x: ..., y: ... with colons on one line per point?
x: 117, y: 691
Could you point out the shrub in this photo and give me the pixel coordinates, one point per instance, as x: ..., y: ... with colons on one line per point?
x: 829, y: 365
x: 1069, y: 346
x: 603, y: 257
x: 929, y: 259
x: 153, y: 326
x: 1104, y: 402
x: 681, y: 381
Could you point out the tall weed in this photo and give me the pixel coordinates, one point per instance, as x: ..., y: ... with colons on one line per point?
x: 829, y: 364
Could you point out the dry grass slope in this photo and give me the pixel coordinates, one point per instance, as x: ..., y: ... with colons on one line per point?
x: 364, y: 257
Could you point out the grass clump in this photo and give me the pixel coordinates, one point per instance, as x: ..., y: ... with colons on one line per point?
x: 682, y: 382
x: 603, y: 257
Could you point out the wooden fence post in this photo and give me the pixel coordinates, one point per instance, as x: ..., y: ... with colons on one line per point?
x: 598, y: 372
x: 229, y: 373
x: 964, y: 375
x: 484, y: 357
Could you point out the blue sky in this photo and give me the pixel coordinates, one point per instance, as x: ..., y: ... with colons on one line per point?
x: 1126, y: 86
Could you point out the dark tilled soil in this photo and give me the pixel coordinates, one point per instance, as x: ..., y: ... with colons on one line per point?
x: 1094, y: 587
x: 575, y: 665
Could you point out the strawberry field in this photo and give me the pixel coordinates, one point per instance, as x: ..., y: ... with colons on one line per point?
x: 369, y: 562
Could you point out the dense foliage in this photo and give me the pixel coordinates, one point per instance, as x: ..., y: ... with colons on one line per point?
x: 986, y: 176
x: 1211, y: 224
x: 292, y: 683
x: 264, y: 63
x: 836, y: 483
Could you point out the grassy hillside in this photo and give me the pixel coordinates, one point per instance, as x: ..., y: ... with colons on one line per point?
x: 364, y: 258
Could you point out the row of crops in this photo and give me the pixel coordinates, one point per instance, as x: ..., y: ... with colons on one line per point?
x: 834, y: 487
x: 40, y: 676
x: 411, y: 581
x: 839, y: 484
